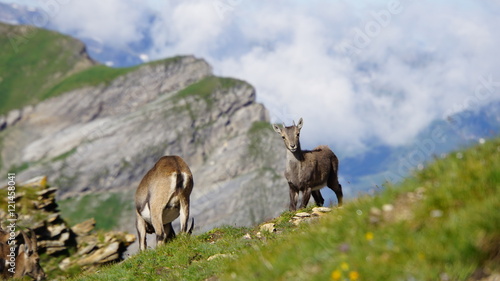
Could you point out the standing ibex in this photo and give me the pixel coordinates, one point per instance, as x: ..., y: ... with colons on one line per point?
x: 26, y: 261
x: 162, y: 195
x: 308, y: 171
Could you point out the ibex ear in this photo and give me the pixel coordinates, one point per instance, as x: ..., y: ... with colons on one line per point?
x: 301, y: 122
x: 277, y: 129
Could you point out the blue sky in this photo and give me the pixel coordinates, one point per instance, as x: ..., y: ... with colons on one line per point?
x: 361, y: 75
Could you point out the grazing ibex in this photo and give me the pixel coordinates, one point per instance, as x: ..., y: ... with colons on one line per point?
x: 27, y: 260
x: 162, y: 195
x: 308, y: 171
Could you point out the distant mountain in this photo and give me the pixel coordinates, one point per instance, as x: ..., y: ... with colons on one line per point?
x: 367, y: 172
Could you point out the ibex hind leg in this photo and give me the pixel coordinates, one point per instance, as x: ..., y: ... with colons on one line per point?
x: 333, y: 184
x: 318, y: 198
x: 187, y: 186
x: 184, y: 214
x: 158, y: 204
x: 140, y: 224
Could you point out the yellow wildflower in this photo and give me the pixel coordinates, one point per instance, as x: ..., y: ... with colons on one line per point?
x: 353, y: 275
x: 369, y: 236
x: 344, y: 266
x: 336, y: 275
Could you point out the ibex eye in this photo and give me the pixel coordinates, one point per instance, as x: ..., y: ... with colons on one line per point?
x: 283, y: 137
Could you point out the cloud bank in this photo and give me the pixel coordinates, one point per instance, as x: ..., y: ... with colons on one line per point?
x: 360, y: 75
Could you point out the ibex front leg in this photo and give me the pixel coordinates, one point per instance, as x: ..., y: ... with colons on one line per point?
x: 305, y: 197
x: 294, y: 197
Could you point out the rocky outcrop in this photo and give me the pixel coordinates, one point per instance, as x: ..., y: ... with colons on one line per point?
x: 36, y: 208
x: 106, y: 137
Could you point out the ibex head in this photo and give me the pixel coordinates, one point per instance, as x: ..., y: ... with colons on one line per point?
x: 290, y: 135
x: 28, y: 260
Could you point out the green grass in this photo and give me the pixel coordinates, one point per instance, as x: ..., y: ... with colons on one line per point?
x: 93, y: 76
x: 204, y: 88
x: 64, y: 155
x: 444, y: 224
x: 39, y: 56
x: 103, y: 207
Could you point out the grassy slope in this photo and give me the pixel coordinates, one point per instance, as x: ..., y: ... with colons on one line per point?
x: 444, y: 224
x: 48, y: 60
x: 39, y: 56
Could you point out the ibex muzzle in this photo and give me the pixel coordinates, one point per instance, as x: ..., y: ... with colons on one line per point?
x: 163, y: 196
x: 308, y: 171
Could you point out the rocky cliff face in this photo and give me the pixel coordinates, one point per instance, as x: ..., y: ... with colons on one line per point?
x: 104, y: 138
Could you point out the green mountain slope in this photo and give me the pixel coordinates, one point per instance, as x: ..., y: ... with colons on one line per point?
x: 441, y: 224
x: 34, y: 60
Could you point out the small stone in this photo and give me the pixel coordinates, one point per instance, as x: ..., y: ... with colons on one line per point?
x: 64, y: 237
x: 86, y: 249
x: 387, y: 207
x: 102, y: 255
x: 113, y: 257
x: 84, y: 228
x: 374, y: 211
x: 55, y: 230
x: 110, y: 237
x: 45, y: 193
x: 374, y: 220
x: 317, y: 214
x: 50, y: 243
x: 258, y: 235
x: 247, y: 236
x: 269, y: 227
x: 436, y: 213
x: 53, y: 218
x: 64, y: 264
x: 302, y: 215
x: 322, y: 209
x: 129, y: 239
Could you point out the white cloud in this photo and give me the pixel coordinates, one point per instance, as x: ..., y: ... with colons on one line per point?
x: 115, y: 22
x: 406, y: 64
